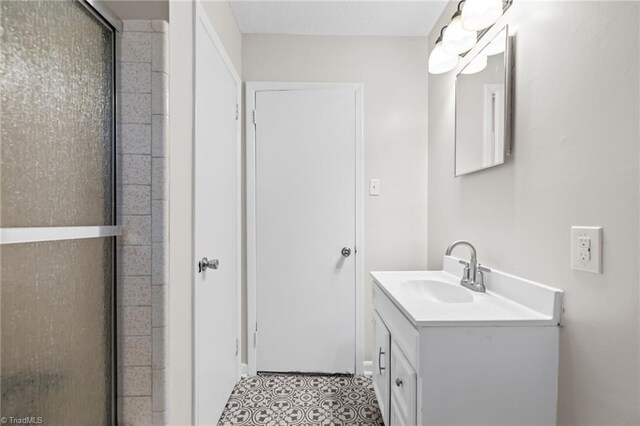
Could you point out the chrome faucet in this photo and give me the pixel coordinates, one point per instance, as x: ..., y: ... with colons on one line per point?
x: 473, y: 275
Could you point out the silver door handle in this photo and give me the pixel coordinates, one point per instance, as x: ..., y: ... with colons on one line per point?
x: 205, y: 264
x: 346, y: 251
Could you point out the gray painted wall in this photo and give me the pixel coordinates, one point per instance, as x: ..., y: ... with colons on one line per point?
x: 575, y: 162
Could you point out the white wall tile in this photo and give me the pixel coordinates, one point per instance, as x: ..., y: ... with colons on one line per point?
x: 135, y: 77
x: 136, y: 47
x: 136, y: 381
x: 158, y: 387
x: 135, y: 138
x: 136, y: 260
x: 136, y: 351
x: 159, y: 355
x: 159, y: 94
x: 137, y: 25
x: 136, y: 291
x: 159, y: 418
x: 159, y: 226
x: 144, y: 49
x: 136, y: 411
x: 160, y: 185
x: 136, y: 199
x: 137, y: 321
x: 160, y: 26
x: 160, y: 53
x: 136, y: 230
x: 136, y: 108
x: 159, y: 132
x: 159, y: 306
x: 159, y: 265
x: 136, y: 169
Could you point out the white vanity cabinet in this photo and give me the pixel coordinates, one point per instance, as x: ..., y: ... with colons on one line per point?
x: 403, y: 388
x: 488, y: 361
x: 380, y: 373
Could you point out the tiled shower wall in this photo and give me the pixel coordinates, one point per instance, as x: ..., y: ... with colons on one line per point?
x: 143, y: 274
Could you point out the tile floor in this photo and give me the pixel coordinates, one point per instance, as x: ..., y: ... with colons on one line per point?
x: 293, y: 399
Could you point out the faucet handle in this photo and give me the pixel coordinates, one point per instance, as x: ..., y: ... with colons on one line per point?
x: 480, y: 276
x: 464, y: 262
x: 483, y: 268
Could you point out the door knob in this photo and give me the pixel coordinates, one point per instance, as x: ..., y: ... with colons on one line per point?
x: 205, y: 264
x: 398, y: 382
x: 346, y: 251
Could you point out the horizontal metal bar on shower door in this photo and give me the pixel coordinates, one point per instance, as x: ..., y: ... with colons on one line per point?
x: 56, y: 233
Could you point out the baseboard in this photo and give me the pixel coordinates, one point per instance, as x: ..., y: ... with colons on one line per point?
x: 367, y: 368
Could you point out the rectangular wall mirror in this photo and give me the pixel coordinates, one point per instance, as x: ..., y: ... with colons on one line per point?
x: 483, y: 128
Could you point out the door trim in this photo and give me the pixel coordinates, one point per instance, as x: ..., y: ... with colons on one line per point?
x: 251, y: 89
x: 202, y: 17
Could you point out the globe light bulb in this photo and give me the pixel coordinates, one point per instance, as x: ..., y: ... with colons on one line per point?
x: 480, y: 14
x: 441, y: 62
x: 457, y: 40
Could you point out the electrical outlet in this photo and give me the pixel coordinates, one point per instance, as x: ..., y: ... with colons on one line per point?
x: 586, y: 248
x: 584, y: 242
x: 374, y: 187
x: 584, y: 254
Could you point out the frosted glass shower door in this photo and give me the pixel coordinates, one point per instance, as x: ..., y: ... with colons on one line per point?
x: 57, y: 215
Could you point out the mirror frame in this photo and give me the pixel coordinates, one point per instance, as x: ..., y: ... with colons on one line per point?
x: 508, y: 87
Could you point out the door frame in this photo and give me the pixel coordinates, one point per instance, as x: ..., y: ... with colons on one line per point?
x: 202, y: 17
x: 251, y: 89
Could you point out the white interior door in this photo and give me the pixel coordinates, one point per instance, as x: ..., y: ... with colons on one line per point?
x: 216, y: 226
x: 305, y: 215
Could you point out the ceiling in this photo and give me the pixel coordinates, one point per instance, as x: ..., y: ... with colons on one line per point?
x: 317, y: 17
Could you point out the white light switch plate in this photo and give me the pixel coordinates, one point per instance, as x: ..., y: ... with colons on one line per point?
x: 374, y: 186
x: 586, y: 248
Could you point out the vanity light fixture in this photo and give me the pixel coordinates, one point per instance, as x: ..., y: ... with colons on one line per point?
x: 440, y: 61
x: 480, y: 14
x: 458, y: 37
x: 476, y: 65
x: 457, y: 40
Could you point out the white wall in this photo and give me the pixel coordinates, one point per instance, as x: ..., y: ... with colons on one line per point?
x: 575, y: 162
x: 394, y: 73
x: 224, y: 22
x: 181, y: 266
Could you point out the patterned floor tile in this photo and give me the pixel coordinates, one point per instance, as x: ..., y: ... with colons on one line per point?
x: 305, y: 400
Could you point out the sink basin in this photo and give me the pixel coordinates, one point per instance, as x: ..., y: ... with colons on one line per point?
x: 436, y: 298
x: 438, y: 291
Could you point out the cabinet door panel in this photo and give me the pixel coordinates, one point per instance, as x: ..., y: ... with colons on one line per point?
x: 403, y: 386
x: 381, y: 383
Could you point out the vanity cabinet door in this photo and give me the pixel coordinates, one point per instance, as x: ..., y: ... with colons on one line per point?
x: 381, y: 356
x: 403, y: 389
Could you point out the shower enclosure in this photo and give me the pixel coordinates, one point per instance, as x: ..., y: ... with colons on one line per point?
x: 57, y: 213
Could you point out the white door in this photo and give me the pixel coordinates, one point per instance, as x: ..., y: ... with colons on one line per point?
x: 216, y: 227
x: 305, y: 229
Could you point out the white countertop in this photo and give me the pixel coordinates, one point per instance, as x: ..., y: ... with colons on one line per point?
x: 509, y: 300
